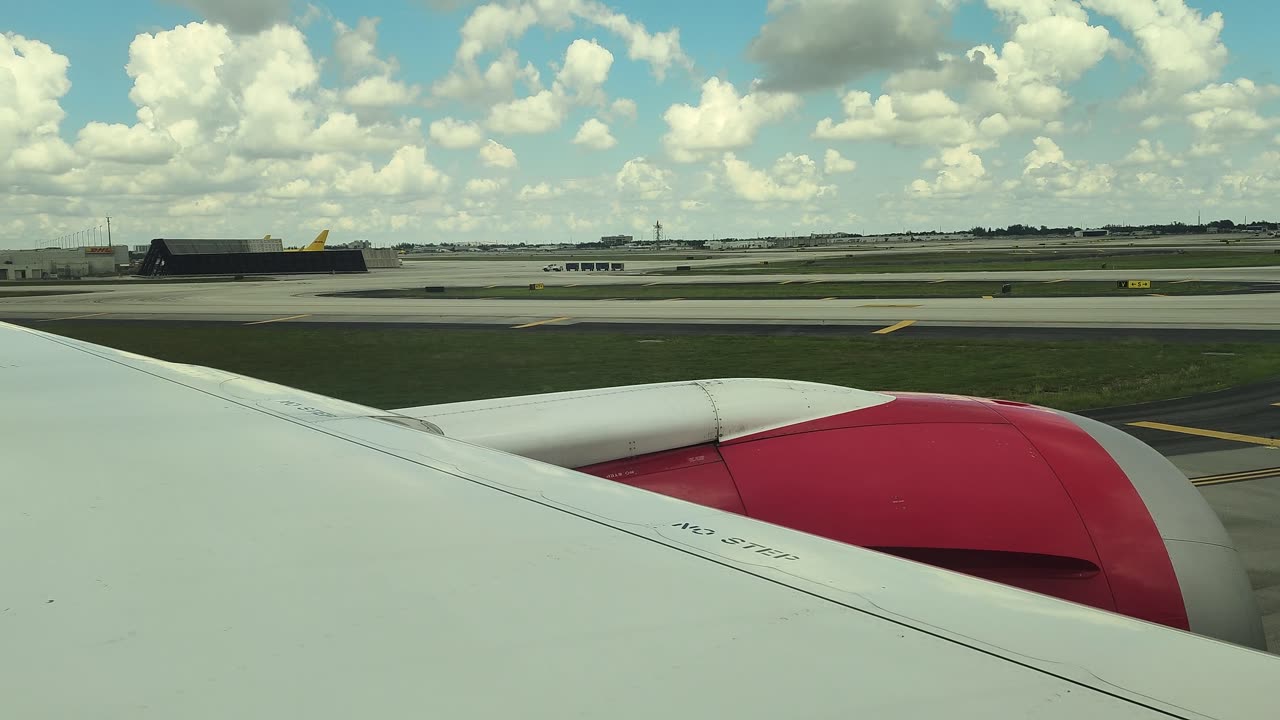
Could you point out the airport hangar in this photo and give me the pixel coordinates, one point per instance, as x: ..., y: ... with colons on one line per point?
x: 194, y: 257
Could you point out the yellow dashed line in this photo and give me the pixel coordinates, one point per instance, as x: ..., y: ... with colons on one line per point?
x: 988, y: 297
x: 571, y: 285
x: 1235, y: 477
x: 814, y: 282
x: 894, y: 327
x: 539, y: 322
x: 830, y: 298
x: 76, y: 317
x: 490, y: 287
x: 786, y: 282
x: 1051, y: 282
x: 280, y: 319
x: 1217, y: 435
x: 935, y: 282
x: 651, y: 284
x: 1156, y: 295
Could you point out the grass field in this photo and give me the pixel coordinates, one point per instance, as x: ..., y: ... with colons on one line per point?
x: 1012, y: 260
x: 803, y: 291
x: 390, y: 368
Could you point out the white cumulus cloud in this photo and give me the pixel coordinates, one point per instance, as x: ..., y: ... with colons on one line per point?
x: 585, y: 69
x: 833, y: 162
x: 1047, y: 169
x: 929, y: 117
x: 595, y: 135
x: 482, y: 186
x: 125, y: 143
x: 495, y: 154
x: 530, y: 115
x: 1181, y: 47
x: 540, y: 191
x: 960, y: 174
x: 793, y: 178
x: 722, y: 120
x: 455, y: 134
x: 641, y: 179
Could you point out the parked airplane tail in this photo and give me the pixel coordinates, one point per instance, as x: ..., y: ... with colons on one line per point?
x: 318, y: 243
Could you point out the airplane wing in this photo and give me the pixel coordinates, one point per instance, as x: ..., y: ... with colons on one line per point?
x: 179, y: 542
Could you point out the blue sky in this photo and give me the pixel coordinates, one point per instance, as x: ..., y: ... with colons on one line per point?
x: 242, y: 117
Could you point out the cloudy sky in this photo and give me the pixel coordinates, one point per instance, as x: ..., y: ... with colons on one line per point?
x: 551, y: 120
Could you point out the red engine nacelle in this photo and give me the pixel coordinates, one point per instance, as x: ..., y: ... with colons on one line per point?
x: 1006, y: 491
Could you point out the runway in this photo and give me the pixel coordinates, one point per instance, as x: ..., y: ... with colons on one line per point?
x: 302, y: 299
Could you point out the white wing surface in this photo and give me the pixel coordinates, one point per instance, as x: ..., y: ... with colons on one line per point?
x: 176, y: 542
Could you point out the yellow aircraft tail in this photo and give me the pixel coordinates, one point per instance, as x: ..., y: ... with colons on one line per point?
x: 318, y: 243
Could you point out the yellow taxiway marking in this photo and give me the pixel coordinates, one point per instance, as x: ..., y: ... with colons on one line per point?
x: 280, y: 319
x: 1234, y: 437
x: 651, y: 284
x: 490, y: 287
x: 1236, y: 477
x: 1050, y: 282
x: 830, y: 298
x: 669, y: 299
x: 1275, y: 404
x: 935, y: 282
x: 894, y: 327
x: 572, y: 285
x: 1156, y: 295
x: 988, y: 297
x: 786, y: 282
x: 76, y: 317
x: 890, y: 306
x: 814, y: 282
x: 1179, y: 282
x: 539, y: 322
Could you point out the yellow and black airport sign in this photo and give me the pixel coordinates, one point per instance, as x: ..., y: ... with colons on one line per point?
x: 1134, y: 284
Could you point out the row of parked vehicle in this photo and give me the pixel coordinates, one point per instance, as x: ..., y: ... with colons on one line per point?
x: 585, y: 267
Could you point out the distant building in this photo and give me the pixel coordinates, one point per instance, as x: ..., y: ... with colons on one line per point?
x: 616, y: 239
x: 1095, y: 232
x: 57, y: 263
x: 739, y: 244
x: 809, y: 240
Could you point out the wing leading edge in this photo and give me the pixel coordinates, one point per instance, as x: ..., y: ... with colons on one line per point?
x: 180, y: 542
